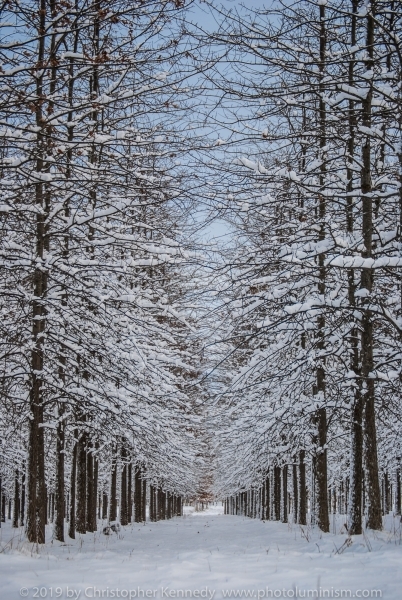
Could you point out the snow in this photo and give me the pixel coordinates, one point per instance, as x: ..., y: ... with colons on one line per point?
x: 207, y: 554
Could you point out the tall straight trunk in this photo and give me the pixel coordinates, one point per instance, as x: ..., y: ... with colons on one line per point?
x: 356, y: 450
x: 321, y: 415
x: 113, y: 493
x: 104, y: 505
x: 22, y: 509
x: 94, y: 523
x: 137, y: 495
x: 387, y: 494
x: 374, y: 520
x: 151, y: 503
x: 144, y: 500
x: 163, y: 505
x: 277, y: 493
x: 123, y: 489
x: 16, y: 512
x: 130, y: 492
x: 398, y: 502
x: 73, y: 487
x: 36, y: 495
x: 81, y: 512
x: 168, y: 506
x: 302, y: 520
x: 3, y: 508
x: 285, y: 494
x: 263, y: 501
x: 295, y: 492
x: 267, y: 498
x: 91, y: 489
x: 58, y: 532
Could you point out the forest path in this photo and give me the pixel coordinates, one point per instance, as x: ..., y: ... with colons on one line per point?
x: 208, y: 554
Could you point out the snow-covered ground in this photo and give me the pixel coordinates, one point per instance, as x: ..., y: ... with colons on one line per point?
x: 205, y: 555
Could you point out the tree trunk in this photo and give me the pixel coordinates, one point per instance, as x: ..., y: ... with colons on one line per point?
x: 137, y: 495
x: 104, y: 505
x: 277, y: 493
x: 113, y: 493
x: 123, y: 489
x: 91, y: 490
x: 367, y: 339
x: 144, y: 500
x: 81, y: 517
x: 295, y: 492
x: 71, y: 529
x: 151, y: 503
x: 302, y: 520
x: 130, y: 492
x: 94, y: 523
x: 16, y: 512
x: 285, y: 494
x: 60, y: 502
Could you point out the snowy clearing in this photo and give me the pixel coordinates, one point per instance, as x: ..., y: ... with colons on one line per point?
x: 205, y: 555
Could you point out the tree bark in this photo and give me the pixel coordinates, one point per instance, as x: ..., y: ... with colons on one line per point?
x: 285, y: 494
x: 130, y: 492
x: 277, y: 493
x: 113, y: 493
x: 295, y: 492
x: 73, y: 487
x: 16, y: 512
x: 60, y: 501
x: 137, y: 495
x: 81, y: 516
x: 302, y: 489
x: 123, y: 489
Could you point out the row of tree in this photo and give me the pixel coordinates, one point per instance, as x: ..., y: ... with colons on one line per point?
x: 309, y: 171
x: 97, y: 341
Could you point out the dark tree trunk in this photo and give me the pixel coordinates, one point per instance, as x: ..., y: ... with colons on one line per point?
x: 73, y: 484
x: 94, y: 523
x: 91, y: 489
x: 137, y: 495
x: 130, y: 493
x: 356, y: 463
x: 22, y: 509
x: 398, y: 503
x: 60, y: 502
x: 81, y: 516
x: 387, y: 493
x: 104, y: 505
x: 295, y: 492
x: 36, y: 509
x: 267, y: 498
x: 277, y: 493
x: 16, y: 513
x: 285, y: 493
x: 151, y: 503
x: 123, y: 490
x: 302, y: 489
x: 144, y: 501
x: 367, y: 337
x: 3, y: 508
x: 113, y: 493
